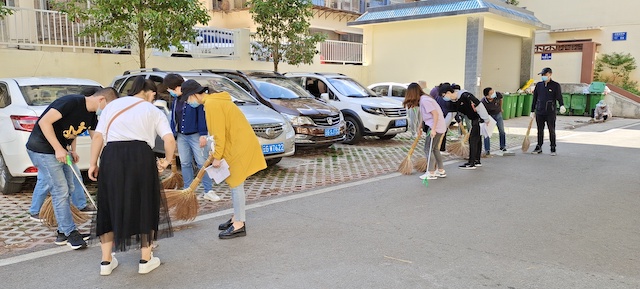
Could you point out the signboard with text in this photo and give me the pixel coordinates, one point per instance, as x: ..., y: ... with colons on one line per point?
x: 546, y: 56
x: 619, y: 36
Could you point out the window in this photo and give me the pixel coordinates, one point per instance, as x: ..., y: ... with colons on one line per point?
x: 398, y: 91
x: 124, y: 91
x: 5, y: 98
x: 381, y: 90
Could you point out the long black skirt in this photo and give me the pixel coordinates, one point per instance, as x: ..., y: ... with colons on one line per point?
x: 131, y: 202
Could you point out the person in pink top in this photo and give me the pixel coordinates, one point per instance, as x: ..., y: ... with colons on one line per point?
x: 432, y: 117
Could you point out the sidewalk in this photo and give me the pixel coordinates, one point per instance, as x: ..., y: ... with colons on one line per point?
x: 308, y: 169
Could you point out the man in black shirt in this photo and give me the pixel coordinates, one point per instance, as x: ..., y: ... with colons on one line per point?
x: 493, y: 103
x: 545, y: 95
x: 470, y: 106
x: 52, y: 140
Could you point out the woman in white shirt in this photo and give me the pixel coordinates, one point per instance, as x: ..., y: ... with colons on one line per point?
x: 131, y: 208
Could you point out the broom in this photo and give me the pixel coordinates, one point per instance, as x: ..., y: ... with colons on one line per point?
x: 422, y: 163
x: 461, y: 148
x: 49, y: 217
x: 526, y: 142
x: 174, y: 180
x: 406, y: 167
x: 184, y: 202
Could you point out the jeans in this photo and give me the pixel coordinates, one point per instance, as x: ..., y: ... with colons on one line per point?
x: 239, y: 201
x: 503, y: 137
x: 59, y: 178
x: 189, y: 148
x: 550, y: 120
x: 78, y: 198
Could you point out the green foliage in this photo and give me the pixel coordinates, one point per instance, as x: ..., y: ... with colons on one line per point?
x: 513, y: 2
x: 143, y: 23
x: 283, y: 30
x: 4, y: 11
x: 616, y: 68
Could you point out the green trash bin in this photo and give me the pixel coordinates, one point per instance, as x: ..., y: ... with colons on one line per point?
x: 506, y: 106
x: 526, y: 106
x: 597, y: 87
x: 566, y: 99
x: 592, y: 101
x: 519, y: 105
x: 578, y: 104
x: 514, y: 105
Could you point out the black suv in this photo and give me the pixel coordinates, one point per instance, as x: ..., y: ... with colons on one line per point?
x: 316, y: 123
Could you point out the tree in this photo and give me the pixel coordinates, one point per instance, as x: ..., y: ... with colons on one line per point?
x: 143, y: 23
x: 4, y: 11
x: 513, y: 2
x: 616, y: 68
x: 283, y: 30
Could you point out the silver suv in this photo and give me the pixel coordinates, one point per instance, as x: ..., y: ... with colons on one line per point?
x: 275, y: 133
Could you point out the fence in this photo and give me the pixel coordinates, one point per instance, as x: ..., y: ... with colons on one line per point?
x: 341, y: 52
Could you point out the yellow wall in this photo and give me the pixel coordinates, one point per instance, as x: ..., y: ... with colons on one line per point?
x: 501, y: 61
x: 408, y: 51
x: 612, y: 16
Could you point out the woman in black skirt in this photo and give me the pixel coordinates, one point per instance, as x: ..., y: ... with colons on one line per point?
x: 131, y: 208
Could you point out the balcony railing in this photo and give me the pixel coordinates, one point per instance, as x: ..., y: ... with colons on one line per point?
x: 30, y: 28
x: 341, y: 52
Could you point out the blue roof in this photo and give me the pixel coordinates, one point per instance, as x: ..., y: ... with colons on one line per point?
x: 439, y: 8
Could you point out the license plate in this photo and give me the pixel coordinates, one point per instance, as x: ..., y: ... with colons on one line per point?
x: 331, y: 131
x: 401, y: 122
x: 269, y: 149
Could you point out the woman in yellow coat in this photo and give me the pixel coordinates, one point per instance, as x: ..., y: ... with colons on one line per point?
x: 235, y: 142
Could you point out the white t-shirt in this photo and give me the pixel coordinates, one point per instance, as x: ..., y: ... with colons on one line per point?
x: 141, y: 122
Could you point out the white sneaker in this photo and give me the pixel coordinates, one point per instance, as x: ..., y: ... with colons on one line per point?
x: 444, y: 153
x: 106, y: 270
x: 211, y: 196
x: 441, y: 174
x: 429, y: 176
x: 144, y: 268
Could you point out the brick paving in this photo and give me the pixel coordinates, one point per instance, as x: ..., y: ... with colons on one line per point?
x: 308, y: 169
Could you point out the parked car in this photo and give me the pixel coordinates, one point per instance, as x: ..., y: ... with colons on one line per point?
x: 316, y: 123
x: 22, y: 101
x: 275, y: 133
x: 365, y: 112
x: 394, y: 90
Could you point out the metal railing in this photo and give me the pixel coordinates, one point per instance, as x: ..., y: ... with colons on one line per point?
x: 341, y: 52
x: 30, y: 28
x: 209, y: 42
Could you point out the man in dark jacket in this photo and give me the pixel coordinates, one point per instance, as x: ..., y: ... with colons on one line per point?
x: 545, y: 95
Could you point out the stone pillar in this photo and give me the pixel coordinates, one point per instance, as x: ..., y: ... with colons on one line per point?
x: 473, y: 55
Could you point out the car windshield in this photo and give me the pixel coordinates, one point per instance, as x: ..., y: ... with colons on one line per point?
x: 224, y: 84
x: 279, y: 88
x: 351, y: 88
x: 39, y: 95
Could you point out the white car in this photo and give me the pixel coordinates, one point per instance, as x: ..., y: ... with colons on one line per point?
x: 365, y: 113
x: 22, y: 101
x: 394, y: 90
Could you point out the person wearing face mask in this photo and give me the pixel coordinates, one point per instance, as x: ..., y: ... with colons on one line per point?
x: 545, y: 95
x: 467, y: 104
x: 492, y: 101
x: 51, y: 142
x: 235, y: 142
x: 189, y: 126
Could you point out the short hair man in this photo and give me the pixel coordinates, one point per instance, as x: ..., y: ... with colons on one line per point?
x: 493, y: 103
x: 545, y: 95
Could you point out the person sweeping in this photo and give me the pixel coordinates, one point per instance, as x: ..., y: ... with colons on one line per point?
x: 235, y: 142
x: 131, y: 209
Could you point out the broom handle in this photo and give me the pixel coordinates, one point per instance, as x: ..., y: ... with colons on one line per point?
x: 86, y: 192
x: 529, y: 129
x: 174, y: 166
x: 415, y: 142
x: 198, y: 179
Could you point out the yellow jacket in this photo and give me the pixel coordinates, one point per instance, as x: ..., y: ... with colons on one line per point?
x: 234, y: 138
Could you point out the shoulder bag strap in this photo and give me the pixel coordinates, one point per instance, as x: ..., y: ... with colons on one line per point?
x: 116, y: 116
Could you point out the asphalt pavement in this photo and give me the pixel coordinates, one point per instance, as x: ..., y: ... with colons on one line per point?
x: 523, y: 221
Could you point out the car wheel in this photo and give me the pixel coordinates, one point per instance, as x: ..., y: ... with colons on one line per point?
x: 273, y: 162
x: 387, y: 137
x: 6, y: 184
x: 353, y: 132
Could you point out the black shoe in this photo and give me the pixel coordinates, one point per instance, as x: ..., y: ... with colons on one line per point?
x: 503, y: 149
x: 537, y: 150
x: 88, y: 209
x: 478, y: 164
x: 230, y: 233
x: 62, y: 240
x: 553, y: 152
x: 467, y: 166
x: 225, y: 225
x: 76, y: 240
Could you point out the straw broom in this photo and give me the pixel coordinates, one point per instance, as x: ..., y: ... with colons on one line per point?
x: 184, y: 202
x: 461, y: 148
x: 526, y: 142
x: 49, y: 218
x: 406, y: 167
x: 174, y: 180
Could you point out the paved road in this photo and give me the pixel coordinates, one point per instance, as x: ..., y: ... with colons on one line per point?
x: 526, y: 221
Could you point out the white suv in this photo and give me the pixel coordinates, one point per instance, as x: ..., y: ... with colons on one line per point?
x: 365, y: 113
x: 22, y: 101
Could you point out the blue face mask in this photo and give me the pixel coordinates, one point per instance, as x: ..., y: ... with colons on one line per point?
x: 446, y: 98
x: 194, y: 104
x: 172, y: 93
x: 98, y: 111
x: 545, y: 78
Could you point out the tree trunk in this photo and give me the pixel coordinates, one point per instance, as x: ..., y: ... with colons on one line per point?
x: 141, y: 45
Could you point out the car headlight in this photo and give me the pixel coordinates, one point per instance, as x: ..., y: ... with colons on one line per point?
x: 373, y: 110
x: 299, y: 120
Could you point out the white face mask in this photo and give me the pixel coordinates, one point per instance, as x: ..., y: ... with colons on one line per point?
x: 493, y: 95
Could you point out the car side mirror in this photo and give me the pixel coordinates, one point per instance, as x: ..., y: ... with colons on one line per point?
x: 324, y: 96
x: 162, y: 104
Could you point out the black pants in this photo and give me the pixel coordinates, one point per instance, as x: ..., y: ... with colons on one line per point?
x: 550, y: 120
x: 444, y: 141
x: 475, y: 142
